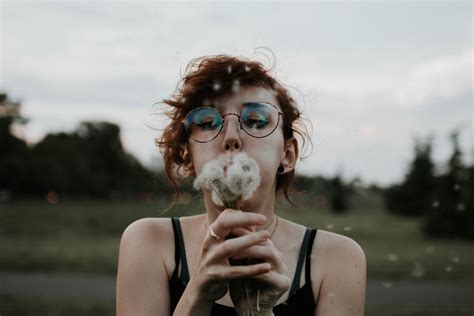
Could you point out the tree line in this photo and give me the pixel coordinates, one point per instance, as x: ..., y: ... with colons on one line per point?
x: 90, y: 162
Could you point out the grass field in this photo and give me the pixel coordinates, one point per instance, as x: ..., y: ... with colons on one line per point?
x: 83, y: 236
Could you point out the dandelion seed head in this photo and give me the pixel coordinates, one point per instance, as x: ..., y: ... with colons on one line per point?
x: 243, y: 175
x: 456, y: 187
x: 230, y: 179
x: 449, y: 268
x: 460, y: 207
x: 435, y: 203
x: 455, y: 259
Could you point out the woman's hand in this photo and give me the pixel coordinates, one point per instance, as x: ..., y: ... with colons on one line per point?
x: 213, y: 270
x: 261, y: 291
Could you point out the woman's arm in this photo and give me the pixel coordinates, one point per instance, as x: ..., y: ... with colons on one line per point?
x: 343, y: 286
x: 142, y: 281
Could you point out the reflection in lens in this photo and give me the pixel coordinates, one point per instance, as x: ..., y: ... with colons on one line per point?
x: 259, y: 119
x: 203, y: 124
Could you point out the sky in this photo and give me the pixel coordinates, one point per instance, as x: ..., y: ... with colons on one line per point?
x: 370, y: 76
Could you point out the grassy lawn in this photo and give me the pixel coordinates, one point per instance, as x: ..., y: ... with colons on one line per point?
x: 83, y: 236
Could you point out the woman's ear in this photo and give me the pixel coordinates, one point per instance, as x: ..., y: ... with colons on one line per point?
x: 290, y: 156
x: 187, y: 166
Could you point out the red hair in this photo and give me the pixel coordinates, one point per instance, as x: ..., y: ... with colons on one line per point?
x: 209, y: 77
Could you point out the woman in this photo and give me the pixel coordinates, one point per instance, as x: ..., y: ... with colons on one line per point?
x: 183, y: 266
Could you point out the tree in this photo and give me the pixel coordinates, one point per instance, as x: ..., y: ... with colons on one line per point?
x: 338, y: 195
x: 452, y: 212
x: 14, y: 152
x: 413, y: 197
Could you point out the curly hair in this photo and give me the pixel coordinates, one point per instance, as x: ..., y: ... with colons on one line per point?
x: 211, y: 77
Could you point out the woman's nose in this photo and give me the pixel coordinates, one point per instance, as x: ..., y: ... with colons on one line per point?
x: 231, y: 133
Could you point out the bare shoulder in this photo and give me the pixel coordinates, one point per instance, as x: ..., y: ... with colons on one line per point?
x: 343, y: 267
x: 147, y: 228
x: 332, y: 246
x: 142, y: 273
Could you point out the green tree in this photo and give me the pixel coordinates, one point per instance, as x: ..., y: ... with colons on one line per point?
x: 452, y: 212
x: 14, y: 152
x: 413, y: 197
x: 338, y: 195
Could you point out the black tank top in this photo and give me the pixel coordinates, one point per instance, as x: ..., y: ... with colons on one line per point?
x: 300, y: 300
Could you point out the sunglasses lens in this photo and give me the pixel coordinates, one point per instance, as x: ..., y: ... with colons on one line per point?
x: 203, y: 124
x: 259, y: 119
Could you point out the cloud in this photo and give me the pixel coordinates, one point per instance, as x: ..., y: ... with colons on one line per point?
x: 443, y: 77
x: 440, y: 78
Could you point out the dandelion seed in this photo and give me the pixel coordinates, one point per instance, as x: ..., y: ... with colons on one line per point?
x: 347, y: 228
x: 387, y: 284
x: 236, y: 86
x: 455, y: 259
x: 449, y: 268
x: 456, y: 187
x: 392, y: 257
x: 329, y: 226
x: 460, y: 207
x: 216, y: 86
x: 430, y: 249
x: 418, y: 270
x: 435, y: 203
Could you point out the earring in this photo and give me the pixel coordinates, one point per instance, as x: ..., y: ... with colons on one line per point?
x: 281, y: 169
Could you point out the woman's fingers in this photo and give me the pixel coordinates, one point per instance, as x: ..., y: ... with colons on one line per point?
x: 233, y: 246
x: 265, y: 252
x: 236, y: 272
x: 231, y: 219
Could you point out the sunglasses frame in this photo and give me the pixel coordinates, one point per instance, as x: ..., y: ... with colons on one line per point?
x: 238, y: 116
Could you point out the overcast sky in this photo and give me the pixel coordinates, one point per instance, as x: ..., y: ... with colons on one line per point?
x: 371, y: 76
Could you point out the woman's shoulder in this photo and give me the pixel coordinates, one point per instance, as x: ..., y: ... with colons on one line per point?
x: 148, y: 228
x: 151, y: 240
x: 337, y: 255
x: 330, y: 244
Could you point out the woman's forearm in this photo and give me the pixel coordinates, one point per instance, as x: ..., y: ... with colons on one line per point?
x: 191, y: 304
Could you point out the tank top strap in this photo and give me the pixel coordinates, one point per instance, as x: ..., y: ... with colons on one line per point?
x: 308, y: 255
x: 295, y: 285
x: 179, y: 252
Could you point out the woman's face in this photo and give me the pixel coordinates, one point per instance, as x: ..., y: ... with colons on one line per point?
x: 268, y: 152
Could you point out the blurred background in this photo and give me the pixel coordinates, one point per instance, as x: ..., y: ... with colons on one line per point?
x: 386, y: 88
